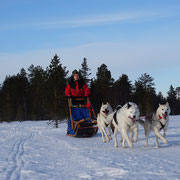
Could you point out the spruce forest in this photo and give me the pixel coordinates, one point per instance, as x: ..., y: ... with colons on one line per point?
x: 38, y: 94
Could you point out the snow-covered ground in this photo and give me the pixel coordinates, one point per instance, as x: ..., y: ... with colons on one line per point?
x: 35, y: 151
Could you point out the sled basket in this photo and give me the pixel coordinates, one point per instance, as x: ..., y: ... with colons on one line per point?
x: 82, y: 119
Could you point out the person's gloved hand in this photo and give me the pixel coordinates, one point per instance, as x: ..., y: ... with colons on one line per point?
x: 72, y: 97
x: 69, y: 97
x: 85, y: 98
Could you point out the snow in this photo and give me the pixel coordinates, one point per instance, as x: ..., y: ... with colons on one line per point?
x: 34, y: 150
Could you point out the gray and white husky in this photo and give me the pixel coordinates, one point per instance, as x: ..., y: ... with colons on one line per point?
x: 156, y: 122
x: 124, y: 121
x: 104, y: 120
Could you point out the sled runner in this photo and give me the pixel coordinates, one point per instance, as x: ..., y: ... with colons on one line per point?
x: 82, y: 119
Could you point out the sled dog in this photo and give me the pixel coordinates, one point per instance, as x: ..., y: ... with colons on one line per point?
x: 124, y: 121
x: 104, y: 120
x: 156, y: 122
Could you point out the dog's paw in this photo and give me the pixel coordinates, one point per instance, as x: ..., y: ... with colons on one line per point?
x: 131, y: 145
x: 146, y: 144
x: 110, y: 138
x: 116, y: 145
x: 134, y: 140
x: 166, y: 142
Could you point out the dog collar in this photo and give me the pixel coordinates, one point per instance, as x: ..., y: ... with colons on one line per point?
x: 159, y: 117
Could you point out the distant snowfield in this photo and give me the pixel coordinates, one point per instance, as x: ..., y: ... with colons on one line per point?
x: 35, y: 151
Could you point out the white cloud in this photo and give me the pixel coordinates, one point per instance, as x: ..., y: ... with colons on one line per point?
x: 85, y: 21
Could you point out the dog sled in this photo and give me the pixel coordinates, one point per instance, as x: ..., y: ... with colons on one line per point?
x: 82, y: 120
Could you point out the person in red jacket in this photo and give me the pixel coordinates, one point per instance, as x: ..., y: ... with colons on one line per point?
x: 77, y: 87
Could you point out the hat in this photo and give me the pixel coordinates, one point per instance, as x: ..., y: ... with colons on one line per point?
x: 75, y: 72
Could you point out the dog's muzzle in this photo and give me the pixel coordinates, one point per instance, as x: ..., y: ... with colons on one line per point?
x: 133, y: 119
x: 165, y: 115
x: 106, y: 112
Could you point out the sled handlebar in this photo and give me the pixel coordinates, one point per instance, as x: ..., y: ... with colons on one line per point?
x: 70, y: 102
x: 78, y: 98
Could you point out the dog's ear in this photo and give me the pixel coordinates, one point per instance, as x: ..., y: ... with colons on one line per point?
x: 128, y: 105
x: 167, y: 104
x: 159, y: 104
x: 102, y: 104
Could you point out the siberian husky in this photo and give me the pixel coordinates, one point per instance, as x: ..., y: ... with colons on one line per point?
x: 124, y: 121
x: 104, y: 121
x: 156, y: 122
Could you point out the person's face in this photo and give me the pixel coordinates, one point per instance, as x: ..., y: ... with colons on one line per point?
x: 76, y: 77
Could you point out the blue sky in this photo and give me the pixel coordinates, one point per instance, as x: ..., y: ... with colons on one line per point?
x: 130, y: 36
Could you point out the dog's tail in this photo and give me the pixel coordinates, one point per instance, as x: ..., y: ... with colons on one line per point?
x: 114, y: 117
x: 141, y: 122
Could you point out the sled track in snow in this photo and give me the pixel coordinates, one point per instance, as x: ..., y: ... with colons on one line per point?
x: 15, y: 161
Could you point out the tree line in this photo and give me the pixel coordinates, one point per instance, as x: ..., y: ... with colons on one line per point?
x: 38, y: 94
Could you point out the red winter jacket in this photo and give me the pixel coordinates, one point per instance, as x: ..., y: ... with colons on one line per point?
x: 77, y: 89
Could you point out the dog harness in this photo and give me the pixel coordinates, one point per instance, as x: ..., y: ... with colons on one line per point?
x: 106, y: 124
x: 115, y: 114
x: 115, y: 117
x: 162, y: 125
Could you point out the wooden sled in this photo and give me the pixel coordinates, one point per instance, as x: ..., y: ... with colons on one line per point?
x: 82, y: 120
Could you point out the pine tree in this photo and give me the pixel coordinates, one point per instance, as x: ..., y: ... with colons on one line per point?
x: 37, y: 92
x: 171, y: 93
x: 138, y: 96
x: 172, y: 99
x: 84, y: 71
x: 101, y: 87
x: 160, y: 98
x: 144, y: 93
x: 14, y: 97
x: 147, y: 82
x: 56, y: 84
x: 23, y: 87
x: 8, y: 100
x: 178, y: 100
x: 122, y: 90
x: 178, y: 93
